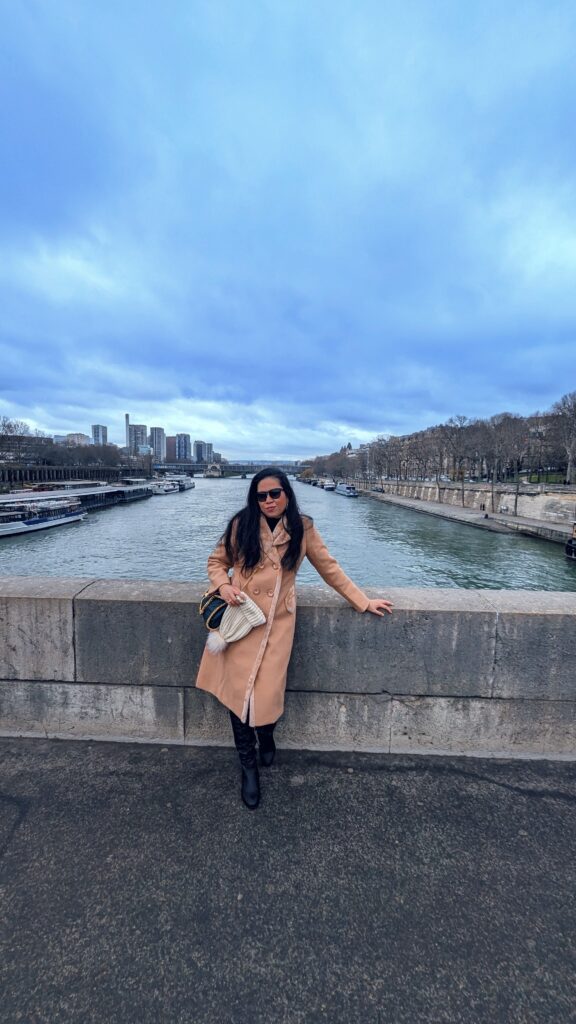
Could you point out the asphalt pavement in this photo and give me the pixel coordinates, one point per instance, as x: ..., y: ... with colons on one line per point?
x: 366, y: 889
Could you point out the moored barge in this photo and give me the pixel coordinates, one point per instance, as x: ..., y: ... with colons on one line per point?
x: 19, y: 517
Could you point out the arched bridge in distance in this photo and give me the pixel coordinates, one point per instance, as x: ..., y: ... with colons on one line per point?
x: 227, y: 468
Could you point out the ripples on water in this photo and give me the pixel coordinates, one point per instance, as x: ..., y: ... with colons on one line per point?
x: 380, y: 545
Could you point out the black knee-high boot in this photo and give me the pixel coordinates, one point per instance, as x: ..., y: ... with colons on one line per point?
x: 266, y: 744
x: 245, y: 741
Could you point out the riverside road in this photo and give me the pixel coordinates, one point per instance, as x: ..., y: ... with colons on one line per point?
x: 366, y: 889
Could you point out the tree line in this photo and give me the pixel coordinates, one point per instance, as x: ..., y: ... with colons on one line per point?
x: 23, y: 446
x: 499, y: 449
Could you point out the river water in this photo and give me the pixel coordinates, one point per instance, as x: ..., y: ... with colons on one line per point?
x: 378, y: 545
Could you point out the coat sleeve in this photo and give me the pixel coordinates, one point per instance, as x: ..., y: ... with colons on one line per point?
x: 218, y: 566
x: 317, y: 553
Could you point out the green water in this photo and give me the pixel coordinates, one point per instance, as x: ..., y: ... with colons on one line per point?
x: 169, y: 538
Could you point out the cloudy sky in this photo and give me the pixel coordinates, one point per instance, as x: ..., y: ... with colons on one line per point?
x: 283, y: 225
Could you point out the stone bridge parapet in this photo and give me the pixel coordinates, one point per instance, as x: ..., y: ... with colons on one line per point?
x: 451, y: 671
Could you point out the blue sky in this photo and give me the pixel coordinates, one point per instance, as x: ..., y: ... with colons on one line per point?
x: 285, y: 226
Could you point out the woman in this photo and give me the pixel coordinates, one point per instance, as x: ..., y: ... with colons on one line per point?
x: 263, y: 546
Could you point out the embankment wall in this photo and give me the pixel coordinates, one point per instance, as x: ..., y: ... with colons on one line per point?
x: 451, y: 671
x: 554, y: 506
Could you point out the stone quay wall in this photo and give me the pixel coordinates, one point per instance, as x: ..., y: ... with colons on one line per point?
x: 451, y: 671
x: 554, y: 506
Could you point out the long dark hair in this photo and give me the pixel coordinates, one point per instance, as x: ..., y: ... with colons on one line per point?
x: 246, y: 545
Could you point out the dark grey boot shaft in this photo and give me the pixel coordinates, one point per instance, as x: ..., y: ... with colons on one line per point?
x: 245, y: 742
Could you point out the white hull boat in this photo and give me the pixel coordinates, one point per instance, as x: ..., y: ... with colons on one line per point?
x: 348, y: 490
x: 17, y: 518
x: 164, y: 487
x: 183, y: 482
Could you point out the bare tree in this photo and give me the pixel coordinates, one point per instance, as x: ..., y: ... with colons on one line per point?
x: 14, y: 435
x: 513, y: 445
x: 11, y: 428
x: 380, y: 458
x: 457, y: 443
x: 565, y: 410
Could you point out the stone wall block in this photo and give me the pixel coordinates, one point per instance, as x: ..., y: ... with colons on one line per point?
x: 504, y: 728
x: 206, y: 721
x: 536, y: 657
x: 83, y: 711
x: 37, y: 627
x: 334, y: 642
x: 312, y: 721
x: 140, y: 633
x: 436, y: 642
x: 336, y: 721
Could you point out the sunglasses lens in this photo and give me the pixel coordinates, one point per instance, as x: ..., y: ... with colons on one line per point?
x: 274, y: 493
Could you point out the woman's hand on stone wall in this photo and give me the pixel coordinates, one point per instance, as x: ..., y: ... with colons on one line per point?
x: 378, y: 606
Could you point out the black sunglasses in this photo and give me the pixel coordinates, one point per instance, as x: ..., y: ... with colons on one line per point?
x: 274, y: 493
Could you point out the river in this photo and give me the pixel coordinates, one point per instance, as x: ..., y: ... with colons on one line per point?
x: 378, y: 545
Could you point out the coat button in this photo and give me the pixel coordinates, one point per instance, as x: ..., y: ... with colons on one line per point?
x: 255, y: 590
x: 270, y: 593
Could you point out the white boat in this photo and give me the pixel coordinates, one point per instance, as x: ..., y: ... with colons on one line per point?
x: 164, y: 487
x: 348, y: 490
x: 329, y: 485
x: 20, y: 517
x: 183, y: 481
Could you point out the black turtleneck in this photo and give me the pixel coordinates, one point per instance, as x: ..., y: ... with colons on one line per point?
x: 272, y: 523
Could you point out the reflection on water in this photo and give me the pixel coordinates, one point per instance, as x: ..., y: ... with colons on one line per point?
x: 170, y: 537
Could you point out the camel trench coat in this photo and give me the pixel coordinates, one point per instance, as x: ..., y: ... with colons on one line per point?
x: 249, y: 677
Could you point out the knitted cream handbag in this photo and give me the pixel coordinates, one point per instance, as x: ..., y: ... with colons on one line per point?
x: 237, y: 621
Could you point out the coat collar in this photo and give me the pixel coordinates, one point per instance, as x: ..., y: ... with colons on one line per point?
x: 269, y: 540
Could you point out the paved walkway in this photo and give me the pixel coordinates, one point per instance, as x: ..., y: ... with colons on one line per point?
x: 366, y: 889
x: 498, y: 522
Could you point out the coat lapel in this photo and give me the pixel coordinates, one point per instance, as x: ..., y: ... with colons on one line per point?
x: 270, y: 542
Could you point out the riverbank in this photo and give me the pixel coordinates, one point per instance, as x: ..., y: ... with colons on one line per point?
x: 500, y: 522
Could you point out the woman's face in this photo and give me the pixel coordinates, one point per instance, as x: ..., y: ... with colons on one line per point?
x: 272, y: 507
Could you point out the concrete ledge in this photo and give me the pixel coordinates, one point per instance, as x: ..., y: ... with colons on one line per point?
x: 493, y: 728
x: 486, y: 672
x: 313, y: 721
x: 80, y: 711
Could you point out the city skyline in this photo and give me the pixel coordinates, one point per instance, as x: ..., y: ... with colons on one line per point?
x: 287, y: 229
x: 139, y: 436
